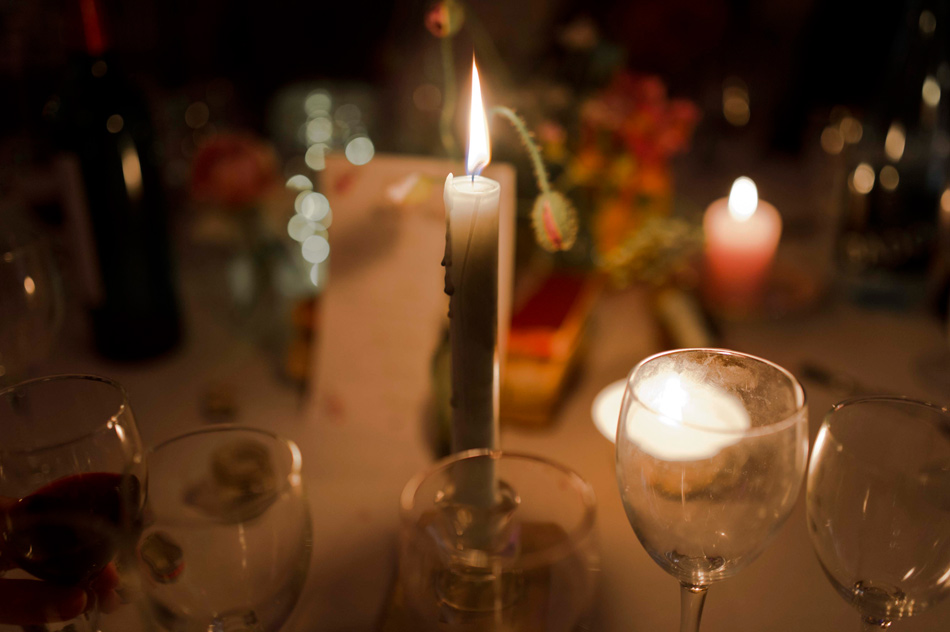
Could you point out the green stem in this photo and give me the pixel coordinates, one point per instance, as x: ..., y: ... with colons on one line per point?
x: 540, y: 173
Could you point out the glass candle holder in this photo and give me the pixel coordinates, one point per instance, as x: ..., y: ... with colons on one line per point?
x: 525, y: 560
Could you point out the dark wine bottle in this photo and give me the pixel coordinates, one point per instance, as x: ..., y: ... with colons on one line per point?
x: 118, y: 203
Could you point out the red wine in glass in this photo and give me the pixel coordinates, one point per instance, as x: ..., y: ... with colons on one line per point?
x: 67, y: 531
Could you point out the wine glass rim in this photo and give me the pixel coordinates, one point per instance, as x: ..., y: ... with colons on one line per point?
x: 526, y: 560
x: 106, y: 425
x: 889, y: 399
x: 752, y: 431
x: 293, y: 477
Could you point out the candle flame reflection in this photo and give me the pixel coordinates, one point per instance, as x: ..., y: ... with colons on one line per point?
x: 479, y: 147
x: 743, y: 199
x: 673, y: 399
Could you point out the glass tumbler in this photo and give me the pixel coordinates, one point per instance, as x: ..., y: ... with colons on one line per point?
x: 493, y: 540
x: 226, y: 538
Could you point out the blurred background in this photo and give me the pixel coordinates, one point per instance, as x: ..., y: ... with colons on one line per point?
x: 819, y: 100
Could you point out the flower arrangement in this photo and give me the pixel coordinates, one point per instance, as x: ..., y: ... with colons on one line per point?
x: 619, y: 165
x: 234, y: 172
x: 614, y: 176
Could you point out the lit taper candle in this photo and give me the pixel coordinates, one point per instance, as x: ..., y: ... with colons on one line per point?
x: 471, y: 281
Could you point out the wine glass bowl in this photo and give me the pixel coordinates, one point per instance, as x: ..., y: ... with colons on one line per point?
x: 71, y: 473
x: 711, y: 451
x: 878, y: 503
x: 226, y: 536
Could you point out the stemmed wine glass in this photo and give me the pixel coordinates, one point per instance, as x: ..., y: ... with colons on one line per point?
x: 226, y: 536
x: 711, y: 452
x: 31, y: 302
x: 878, y: 501
x: 71, y: 474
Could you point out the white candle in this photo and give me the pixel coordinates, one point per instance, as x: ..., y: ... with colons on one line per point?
x: 471, y: 281
x: 684, y: 420
x: 742, y: 234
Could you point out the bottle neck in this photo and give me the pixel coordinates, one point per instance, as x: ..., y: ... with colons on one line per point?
x: 95, y: 37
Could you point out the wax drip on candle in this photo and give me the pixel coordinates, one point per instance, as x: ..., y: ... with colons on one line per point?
x: 447, y: 256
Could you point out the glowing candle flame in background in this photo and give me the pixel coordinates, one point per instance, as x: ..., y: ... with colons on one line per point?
x: 743, y: 199
x: 479, y: 147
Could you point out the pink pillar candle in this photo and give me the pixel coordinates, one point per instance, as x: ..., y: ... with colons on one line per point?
x: 742, y: 233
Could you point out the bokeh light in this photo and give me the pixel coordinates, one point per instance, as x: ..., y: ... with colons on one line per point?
x: 317, y: 103
x: 930, y: 91
x: 316, y: 249
x: 132, y: 171
x: 360, y: 150
x: 862, y: 180
x: 735, y: 101
x: 300, y: 228
x: 889, y: 177
x: 319, y: 130
x: 299, y: 182
x: 29, y: 285
x: 927, y: 22
x: 197, y: 114
x: 298, y: 201
x: 314, y: 206
x: 316, y: 156
x: 115, y: 123
x: 894, y: 142
x: 832, y: 141
x: 851, y: 129
x: 318, y: 274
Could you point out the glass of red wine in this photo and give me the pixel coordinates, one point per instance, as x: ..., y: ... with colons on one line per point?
x: 71, y: 475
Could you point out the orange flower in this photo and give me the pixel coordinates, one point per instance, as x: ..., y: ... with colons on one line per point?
x: 234, y: 171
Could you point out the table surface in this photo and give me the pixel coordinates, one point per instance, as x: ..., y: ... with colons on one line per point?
x: 354, y: 478
x: 355, y: 465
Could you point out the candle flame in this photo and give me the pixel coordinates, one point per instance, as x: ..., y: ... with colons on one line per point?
x: 479, y: 147
x: 743, y: 199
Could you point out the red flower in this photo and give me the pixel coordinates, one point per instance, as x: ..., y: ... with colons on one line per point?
x: 635, y: 115
x: 233, y: 170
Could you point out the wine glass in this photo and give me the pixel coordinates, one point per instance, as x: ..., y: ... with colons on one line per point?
x: 878, y: 500
x: 31, y: 303
x: 226, y: 535
x: 71, y: 473
x: 711, y: 452
x: 525, y: 560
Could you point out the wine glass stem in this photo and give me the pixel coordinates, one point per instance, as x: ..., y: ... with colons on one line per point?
x: 692, y: 599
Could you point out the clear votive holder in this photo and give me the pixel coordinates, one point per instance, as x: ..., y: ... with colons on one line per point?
x: 493, y: 540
